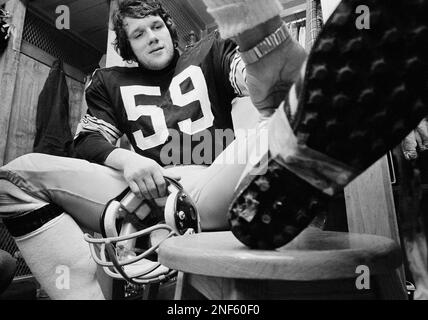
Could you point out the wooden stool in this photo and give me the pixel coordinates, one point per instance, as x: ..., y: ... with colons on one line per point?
x: 315, y: 265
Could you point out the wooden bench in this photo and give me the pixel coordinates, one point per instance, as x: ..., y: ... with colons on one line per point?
x: 317, y: 264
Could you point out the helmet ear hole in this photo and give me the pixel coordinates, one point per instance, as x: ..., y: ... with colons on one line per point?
x: 181, y: 213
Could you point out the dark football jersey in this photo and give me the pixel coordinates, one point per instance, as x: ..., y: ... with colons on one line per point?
x: 179, y: 115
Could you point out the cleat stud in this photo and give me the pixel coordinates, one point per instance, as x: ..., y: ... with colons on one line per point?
x: 278, y: 205
x: 413, y: 65
x: 346, y: 74
x: 379, y: 67
x: 310, y: 120
x: 400, y: 95
x: 320, y: 72
x: 326, y: 45
x: 367, y: 97
x: 316, y: 97
x: 355, y: 45
x: 340, y: 101
x: 266, y: 219
x: 392, y: 36
x: 333, y: 127
x: 420, y: 34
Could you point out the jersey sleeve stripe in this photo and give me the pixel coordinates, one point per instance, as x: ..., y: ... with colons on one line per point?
x: 92, y: 124
x: 233, y: 75
x: 238, y: 75
x: 109, y: 126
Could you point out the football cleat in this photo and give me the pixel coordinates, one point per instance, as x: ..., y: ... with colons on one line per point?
x: 362, y: 91
x: 127, y: 221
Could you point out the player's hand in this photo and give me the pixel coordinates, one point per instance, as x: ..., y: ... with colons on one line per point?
x: 270, y: 79
x: 145, y: 177
x: 416, y: 142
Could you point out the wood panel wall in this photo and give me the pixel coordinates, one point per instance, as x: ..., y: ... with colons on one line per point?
x: 9, y: 63
x: 30, y: 80
x: 22, y: 79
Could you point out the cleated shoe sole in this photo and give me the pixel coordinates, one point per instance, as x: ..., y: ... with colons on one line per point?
x: 364, y: 89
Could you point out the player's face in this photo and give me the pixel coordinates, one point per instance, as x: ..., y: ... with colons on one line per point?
x: 151, y: 41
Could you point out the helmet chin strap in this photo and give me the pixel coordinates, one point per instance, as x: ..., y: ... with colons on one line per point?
x: 130, y: 205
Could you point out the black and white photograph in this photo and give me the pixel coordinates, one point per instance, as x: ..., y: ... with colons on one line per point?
x: 212, y: 157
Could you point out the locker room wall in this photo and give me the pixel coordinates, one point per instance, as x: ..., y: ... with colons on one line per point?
x: 31, y: 77
x: 22, y: 77
x: 24, y: 68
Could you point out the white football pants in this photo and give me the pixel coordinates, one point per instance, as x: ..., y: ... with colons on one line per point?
x: 82, y: 188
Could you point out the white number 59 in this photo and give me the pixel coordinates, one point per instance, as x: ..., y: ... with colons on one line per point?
x: 156, y: 114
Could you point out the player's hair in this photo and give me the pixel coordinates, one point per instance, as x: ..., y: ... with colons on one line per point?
x: 138, y: 9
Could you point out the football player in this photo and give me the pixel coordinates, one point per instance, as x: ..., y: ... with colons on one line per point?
x: 165, y: 102
x: 172, y: 100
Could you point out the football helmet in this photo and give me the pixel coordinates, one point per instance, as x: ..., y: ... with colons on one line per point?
x: 133, y: 229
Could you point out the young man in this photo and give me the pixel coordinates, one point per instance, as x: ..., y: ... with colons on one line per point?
x: 187, y: 98
x: 170, y: 95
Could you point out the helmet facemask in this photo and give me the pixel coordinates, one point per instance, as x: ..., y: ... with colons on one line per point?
x: 133, y: 229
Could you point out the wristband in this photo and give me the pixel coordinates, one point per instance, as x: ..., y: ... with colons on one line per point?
x: 266, y: 46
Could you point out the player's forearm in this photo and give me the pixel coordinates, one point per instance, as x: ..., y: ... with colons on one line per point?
x: 251, y: 37
x: 234, y: 17
x: 291, y: 53
x: 118, y: 158
x: 273, y: 59
x: 92, y: 147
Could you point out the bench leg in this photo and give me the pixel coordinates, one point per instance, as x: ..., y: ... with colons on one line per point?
x: 179, y: 287
x: 390, y: 286
x: 151, y: 291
